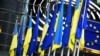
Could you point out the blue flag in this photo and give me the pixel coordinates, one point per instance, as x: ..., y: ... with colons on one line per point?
x: 92, y: 35
x: 20, y: 41
x: 33, y: 43
x: 47, y: 42
x: 67, y: 25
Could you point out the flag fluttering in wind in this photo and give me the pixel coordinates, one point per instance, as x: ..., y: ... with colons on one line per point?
x: 28, y: 36
x: 14, y: 40
x: 20, y: 41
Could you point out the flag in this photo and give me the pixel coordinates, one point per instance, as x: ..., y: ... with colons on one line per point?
x: 81, y: 22
x: 45, y: 28
x: 14, y: 40
x: 74, y: 24
x: 47, y: 41
x: 33, y: 43
x: 20, y: 41
x: 82, y: 40
x: 28, y: 36
x: 67, y: 25
x: 58, y: 35
x: 92, y: 35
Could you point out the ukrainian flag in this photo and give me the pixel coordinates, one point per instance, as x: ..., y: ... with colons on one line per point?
x: 14, y: 40
x: 74, y: 24
x: 27, y: 37
x: 82, y: 24
x: 58, y: 35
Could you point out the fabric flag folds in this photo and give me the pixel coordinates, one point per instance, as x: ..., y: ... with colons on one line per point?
x: 82, y: 24
x: 45, y: 28
x: 14, y: 40
x: 34, y: 42
x: 75, y: 23
x: 58, y: 35
x: 66, y: 34
x: 28, y: 36
x: 20, y: 41
x: 47, y: 41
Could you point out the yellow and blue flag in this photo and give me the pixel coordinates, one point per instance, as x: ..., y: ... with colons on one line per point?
x: 33, y: 43
x: 14, y: 41
x: 20, y: 41
x: 58, y: 35
x: 92, y: 35
x: 74, y: 24
x: 28, y: 36
x: 67, y: 25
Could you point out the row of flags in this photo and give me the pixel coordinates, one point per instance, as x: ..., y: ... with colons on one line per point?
x: 53, y: 35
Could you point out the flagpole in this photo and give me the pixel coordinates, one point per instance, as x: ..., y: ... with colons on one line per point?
x: 49, y: 51
x: 68, y: 52
x: 62, y: 51
x: 54, y: 53
x: 74, y: 50
x: 78, y: 49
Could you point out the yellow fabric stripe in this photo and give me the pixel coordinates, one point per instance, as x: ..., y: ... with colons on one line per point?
x: 27, y: 41
x: 12, y: 53
x: 13, y: 45
x: 43, y: 36
x: 74, y: 27
x: 82, y: 40
x: 55, y: 27
x: 55, y: 46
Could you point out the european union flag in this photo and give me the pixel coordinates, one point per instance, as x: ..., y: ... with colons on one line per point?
x: 20, y: 41
x: 34, y: 42
x: 65, y: 38
x: 47, y: 42
x: 45, y: 28
x: 28, y: 36
x: 92, y: 35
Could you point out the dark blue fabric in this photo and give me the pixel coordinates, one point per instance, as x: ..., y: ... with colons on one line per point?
x: 67, y: 28
x: 91, y: 35
x: 33, y: 44
x: 47, y: 42
x: 20, y: 41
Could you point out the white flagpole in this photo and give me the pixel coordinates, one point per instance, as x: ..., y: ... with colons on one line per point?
x: 78, y: 49
x: 49, y: 51
x: 54, y: 53
x: 74, y: 49
x: 62, y: 51
x: 68, y: 52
